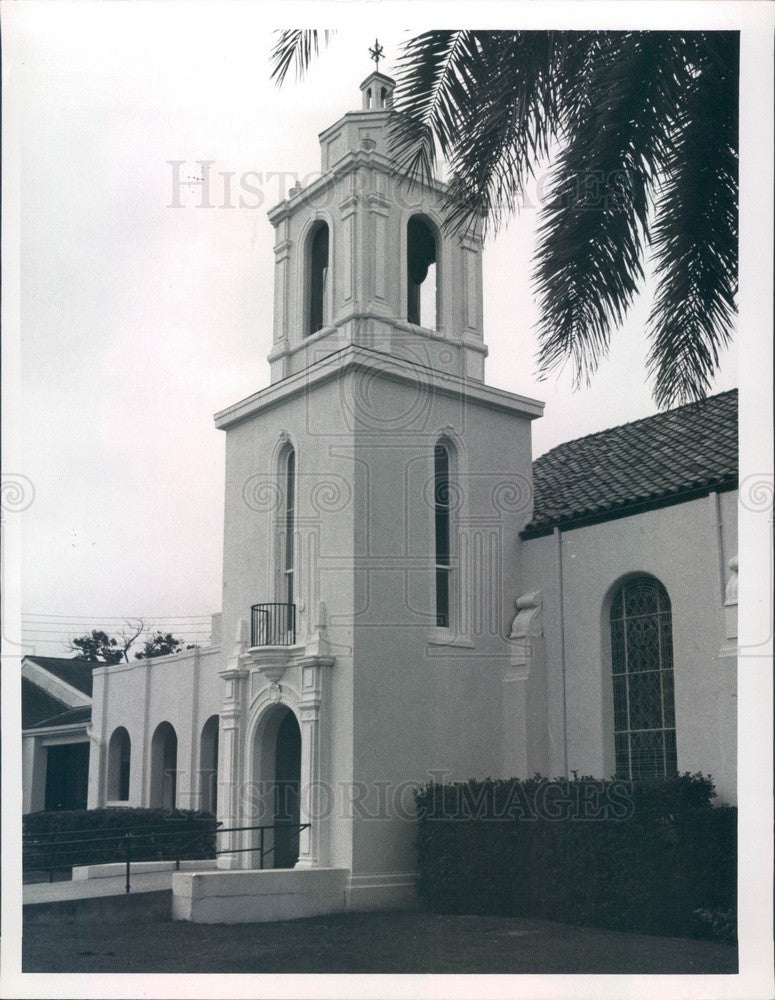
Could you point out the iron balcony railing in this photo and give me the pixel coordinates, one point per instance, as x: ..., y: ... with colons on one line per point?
x: 273, y: 625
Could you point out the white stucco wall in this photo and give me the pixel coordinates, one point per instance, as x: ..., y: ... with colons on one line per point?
x: 183, y: 689
x: 679, y: 545
x: 423, y: 706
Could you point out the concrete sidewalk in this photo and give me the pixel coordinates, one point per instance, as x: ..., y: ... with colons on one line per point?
x: 110, y: 880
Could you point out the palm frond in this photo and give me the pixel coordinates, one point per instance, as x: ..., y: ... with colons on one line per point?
x: 424, y: 108
x: 296, y: 47
x: 596, y: 220
x: 695, y: 236
x: 489, y: 101
x: 514, y: 112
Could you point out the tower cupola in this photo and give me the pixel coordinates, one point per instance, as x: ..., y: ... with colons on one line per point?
x: 362, y: 257
x: 377, y: 89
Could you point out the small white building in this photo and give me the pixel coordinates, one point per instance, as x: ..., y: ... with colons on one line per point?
x: 407, y: 596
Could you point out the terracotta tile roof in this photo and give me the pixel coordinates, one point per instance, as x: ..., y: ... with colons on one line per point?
x: 76, y: 673
x: 654, y: 461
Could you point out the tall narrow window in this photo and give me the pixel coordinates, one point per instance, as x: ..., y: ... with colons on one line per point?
x: 442, y: 531
x: 642, y: 668
x: 318, y: 279
x: 421, y: 257
x: 290, y: 516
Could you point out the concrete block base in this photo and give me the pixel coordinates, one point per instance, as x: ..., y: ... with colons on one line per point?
x: 258, y: 896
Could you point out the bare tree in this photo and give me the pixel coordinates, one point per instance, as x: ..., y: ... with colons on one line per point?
x: 98, y: 647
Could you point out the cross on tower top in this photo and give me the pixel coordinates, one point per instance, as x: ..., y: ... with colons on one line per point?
x: 376, y: 52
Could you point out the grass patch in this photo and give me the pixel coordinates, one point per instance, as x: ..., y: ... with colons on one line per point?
x: 384, y: 942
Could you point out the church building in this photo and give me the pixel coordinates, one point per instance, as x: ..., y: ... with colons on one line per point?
x: 407, y: 595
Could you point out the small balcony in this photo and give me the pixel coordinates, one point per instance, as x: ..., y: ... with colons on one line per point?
x: 273, y: 625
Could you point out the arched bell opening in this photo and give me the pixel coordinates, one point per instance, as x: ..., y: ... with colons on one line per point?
x: 317, y: 281
x: 422, y: 289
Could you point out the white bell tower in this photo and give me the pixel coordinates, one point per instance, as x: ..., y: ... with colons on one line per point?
x: 361, y: 258
x: 373, y: 495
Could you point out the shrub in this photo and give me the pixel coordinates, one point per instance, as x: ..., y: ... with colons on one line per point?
x: 638, y: 857
x: 97, y: 836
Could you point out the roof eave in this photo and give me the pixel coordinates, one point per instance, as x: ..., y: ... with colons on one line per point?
x: 586, y: 518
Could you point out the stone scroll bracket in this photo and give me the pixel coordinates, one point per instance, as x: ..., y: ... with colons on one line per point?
x: 526, y: 629
x: 729, y: 649
x: 522, y: 678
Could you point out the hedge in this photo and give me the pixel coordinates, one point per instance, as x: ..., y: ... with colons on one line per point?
x: 649, y: 857
x: 65, y: 838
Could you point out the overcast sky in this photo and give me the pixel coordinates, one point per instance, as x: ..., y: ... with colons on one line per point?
x: 140, y: 320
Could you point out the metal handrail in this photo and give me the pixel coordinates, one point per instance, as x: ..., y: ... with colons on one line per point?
x: 129, y: 838
x: 273, y: 624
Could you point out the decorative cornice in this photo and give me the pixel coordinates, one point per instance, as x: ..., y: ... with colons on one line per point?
x: 352, y: 357
x: 349, y: 162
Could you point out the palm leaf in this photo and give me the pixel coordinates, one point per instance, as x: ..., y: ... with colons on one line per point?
x: 424, y: 110
x: 596, y: 220
x: 505, y: 129
x: 296, y: 47
x: 695, y: 236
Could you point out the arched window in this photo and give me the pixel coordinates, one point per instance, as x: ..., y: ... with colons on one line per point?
x: 642, y: 669
x: 288, y: 472
x: 368, y: 98
x: 164, y: 767
x: 421, y: 270
x: 208, y: 766
x: 318, y: 279
x: 443, y: 534
x: 383, y: 97
x: 119, y: 750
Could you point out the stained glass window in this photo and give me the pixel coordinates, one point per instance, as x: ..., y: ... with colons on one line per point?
x: 642, y: 673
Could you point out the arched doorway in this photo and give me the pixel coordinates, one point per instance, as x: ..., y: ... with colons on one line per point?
x: 208, y: 766
x: 164, y: 763
x: 287, y: 777
x: 277, y: 767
